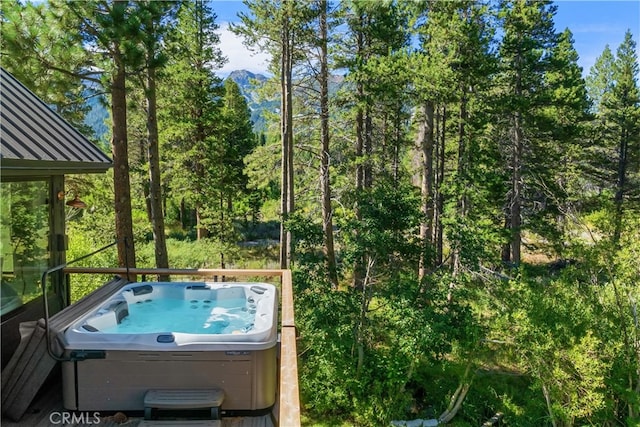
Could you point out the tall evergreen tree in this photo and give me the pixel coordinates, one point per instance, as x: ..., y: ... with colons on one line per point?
x: 600, y: 79
x: 237, y: 142
x: 156, y: 16
x: 612, y: 157
x: 451, y: 84
x: 432, y: 83
x: 325, y: 180
x: 566, y: 117
x: 613, y: 153
x: 622, y: 112
x: 376, y: 31
x: 276, y: 28
x: 191, y: 102
x: 469, y: 226
x: 112, y: 27
x: 524, y: 52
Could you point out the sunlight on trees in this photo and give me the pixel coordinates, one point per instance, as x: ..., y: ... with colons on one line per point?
x: 465, y: 233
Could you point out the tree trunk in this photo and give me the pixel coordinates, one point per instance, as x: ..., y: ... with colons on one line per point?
x: 183, y: 214
x: 286, y: 193
x: 620, y: 187
x: 122, y: 205
x: 399, y: 133
x: 438, y: 210
x: 425, y: 141
x: 462, y: 175
x: 359, y: 144
x: 547, y: 399
x: 360, y: 329
x: 358, y: 267
x: 457, y: 399
x: 290, y: 169
x: 155, y: 187
x: 368, y: 148
x: 325, y: 182
x: 202, y: 232
x: 516, y: 190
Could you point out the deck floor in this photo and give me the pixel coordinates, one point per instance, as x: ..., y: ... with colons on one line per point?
x: 46, y: 410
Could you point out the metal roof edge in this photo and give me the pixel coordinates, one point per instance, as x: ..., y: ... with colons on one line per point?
x: 87, y: 153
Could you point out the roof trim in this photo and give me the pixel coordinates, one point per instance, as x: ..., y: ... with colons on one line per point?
x: 36, y: 140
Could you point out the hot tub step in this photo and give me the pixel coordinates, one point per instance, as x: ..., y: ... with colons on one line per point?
x: 183, y: 400
x: 181, y: 423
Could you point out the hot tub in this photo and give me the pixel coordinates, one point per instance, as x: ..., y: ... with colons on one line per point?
x: 174, y: 335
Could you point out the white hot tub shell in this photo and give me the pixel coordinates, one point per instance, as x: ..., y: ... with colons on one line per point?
x: 112, y: 371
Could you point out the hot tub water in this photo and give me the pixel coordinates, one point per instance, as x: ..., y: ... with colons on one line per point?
x: 189, y: 317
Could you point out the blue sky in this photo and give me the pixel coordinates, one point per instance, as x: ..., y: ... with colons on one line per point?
x: 594, y: 24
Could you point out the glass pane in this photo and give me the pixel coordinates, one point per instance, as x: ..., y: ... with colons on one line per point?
x: 24, y: 226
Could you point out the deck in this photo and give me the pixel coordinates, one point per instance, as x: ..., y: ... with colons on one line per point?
x: 46, y: 409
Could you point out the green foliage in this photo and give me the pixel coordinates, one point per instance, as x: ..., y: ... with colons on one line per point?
x: 32, y: 34
x: 407, y: 332
x: 81, y: 244
x: 557, y: 348
x: 572, y: 335
x: 203, y: 253
x: 549, y: 344
x: 379, y: 337
x: 390, y: 214
x: 615, y: 142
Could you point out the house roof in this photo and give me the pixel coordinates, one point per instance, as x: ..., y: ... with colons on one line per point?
x: 36, y: 141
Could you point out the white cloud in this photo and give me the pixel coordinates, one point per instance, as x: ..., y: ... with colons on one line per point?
x: 240, y: 57
x: 600, y: 28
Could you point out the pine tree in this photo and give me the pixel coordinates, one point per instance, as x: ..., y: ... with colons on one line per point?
x: 566, y: 118
x: 190, y: 104
x: 277, y: 28
x: 376, y: 33
x: 600, y: 79
x: 598, y: 158
x: 452, y: 84
x: 432, y: 83
x: 613, y: 153
x: 323, y: 76
x: 112, y: 28
x: 238, y: 141
x: 156, y: 16
x: 622, y: 111
x: 524, y: 55
x: 470, y: 227
x: 612, y: 157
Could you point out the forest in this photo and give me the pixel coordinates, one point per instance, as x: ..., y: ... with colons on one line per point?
x: 459, y: 206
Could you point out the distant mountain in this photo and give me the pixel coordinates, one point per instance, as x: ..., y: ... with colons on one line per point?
x: 246, y: 79
x: 97, y: 117
x: 248, y: 83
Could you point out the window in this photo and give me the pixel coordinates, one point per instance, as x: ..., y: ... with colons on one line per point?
x: 24, y: 227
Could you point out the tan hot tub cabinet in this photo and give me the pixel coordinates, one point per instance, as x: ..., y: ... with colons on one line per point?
x: 120, y: 381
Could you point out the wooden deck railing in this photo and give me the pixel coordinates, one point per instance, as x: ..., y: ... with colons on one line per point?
x: 287, y: 410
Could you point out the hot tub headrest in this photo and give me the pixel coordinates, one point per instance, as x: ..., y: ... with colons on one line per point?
x: 142, y: 290
x: 258, y: 290
x: 121, y: 309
